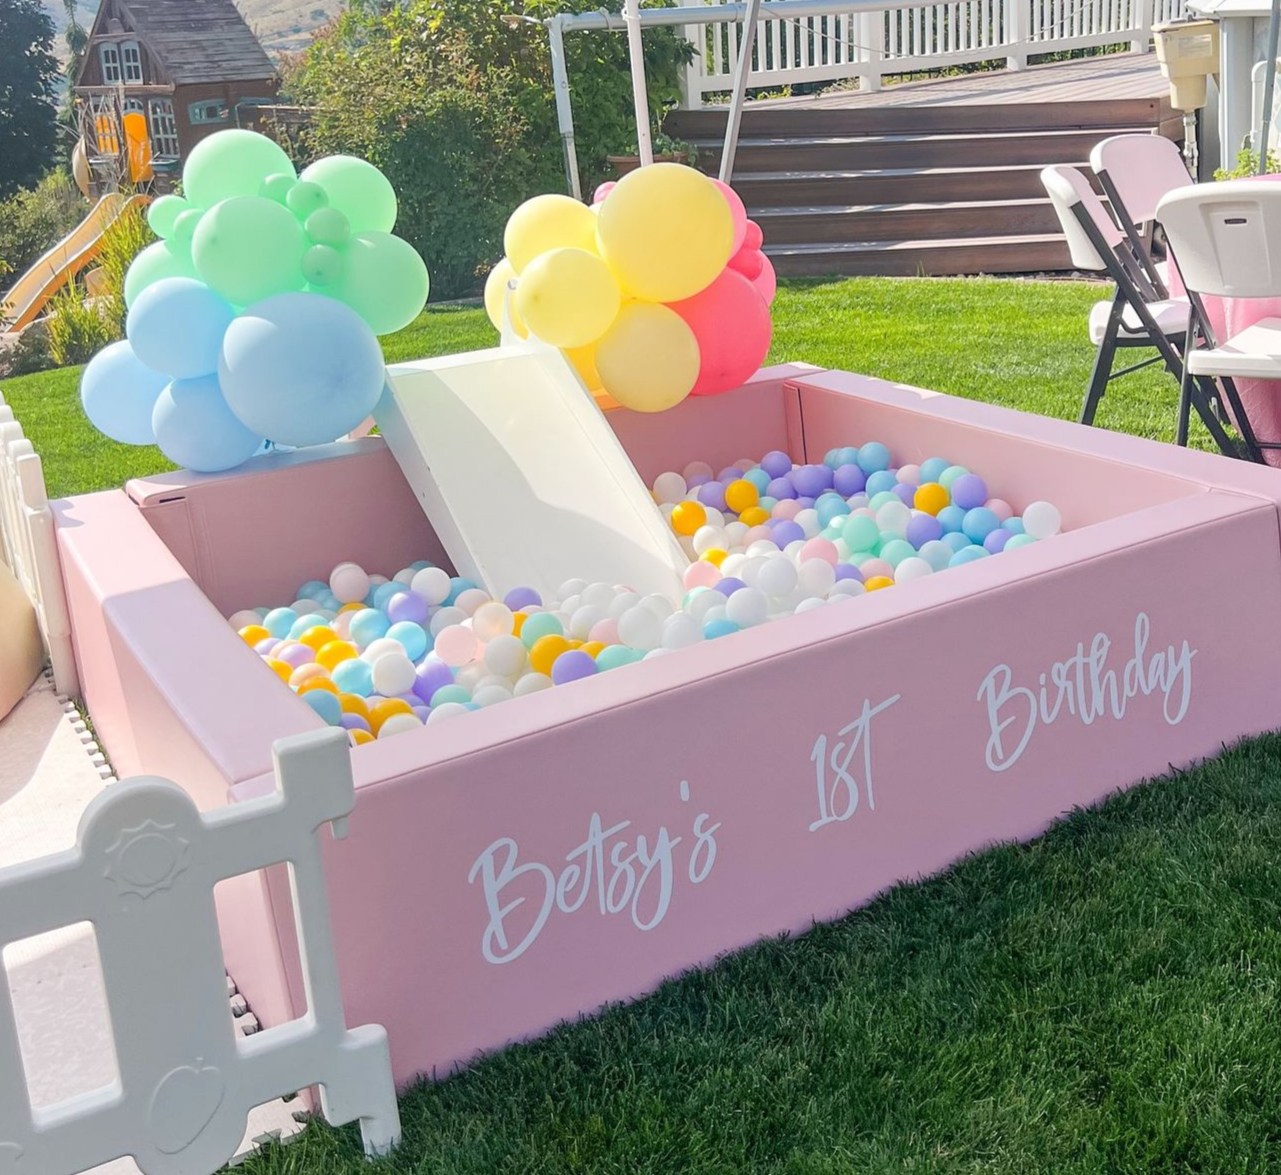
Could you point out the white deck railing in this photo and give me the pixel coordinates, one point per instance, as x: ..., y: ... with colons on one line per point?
x: 869, y: 46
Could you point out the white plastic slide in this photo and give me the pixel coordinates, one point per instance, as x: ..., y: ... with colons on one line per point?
x: 522, y: 477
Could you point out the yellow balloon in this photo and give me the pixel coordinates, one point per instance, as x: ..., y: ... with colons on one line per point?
x: 567, y: 297
x: 495, y: 295
x: 549, y: 222
x: 648, y: 360
x: 584, y: 362
x: 666, y: 232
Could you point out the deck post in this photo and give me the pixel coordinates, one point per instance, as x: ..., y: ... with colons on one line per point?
x: 1142, y: 42
x: 871, y: 36
x: 1018, y: 29
x: 691, y: 79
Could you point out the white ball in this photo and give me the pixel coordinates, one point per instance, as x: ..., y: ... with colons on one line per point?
x: 327, y: 613
x: 680, y: 630
x: 913, y: 567
x: 668, y: 509
x: 708, y: 537
x: 909, y: 474
x: 471, y: 599
x: 532, y: 683
x: 857, y: 502
x: 807, y: 520
x: 384, y: 646
x: 794, y: 548
x: 492, y: 620
x: 849, y: 587
x: 444, y: 618
x: 506, y: 655
x: 698, y: 469
x: 495, y: 679
x: 640, y: 627
x: 470, y: 675
x: 598, y: 595
x: 491, y: 695
x: 1042, y: 520
x: 894, y: 517
x: 731, y: 565
x: 432, y: 583
x: 762, y: 547
x: 349, y: 582
x: 661, y: 606
x: 714, y: 516
x: 248, y: 616
x: 621, y: 603
x: 778, y: 577
x: 571, y: 587
x: 446, y: 710
x: 809, y: 604
x: 659, y: 652
x: 584, y: 619
x: 669, y: 487
x: 398, y: 724
x: 735, y: 532
x: 815, y: 577
x: 376, y: 581
x: 704, y: 602
x: 747, y: 607
x: 937, y: 554
x: 751, y: 569
x: 743, y: 464
x: 717, y: 612
x: 393, y: 674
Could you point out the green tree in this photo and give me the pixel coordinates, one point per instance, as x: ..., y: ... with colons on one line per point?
x: 28, y: 70
x: 76, y: 38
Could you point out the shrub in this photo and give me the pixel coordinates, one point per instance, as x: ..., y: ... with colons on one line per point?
x: 33, y: 220
x: 454, y: 105
x: 1247, y: 166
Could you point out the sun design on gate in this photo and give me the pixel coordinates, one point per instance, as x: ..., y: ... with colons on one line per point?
x: 146, y: 859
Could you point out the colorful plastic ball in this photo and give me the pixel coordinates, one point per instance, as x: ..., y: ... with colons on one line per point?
x: 932, y: 469
x: 979, y: 523
x: 721, y: 626
x: 457, y: 586
x: 712, y: 494
x: 758, y: 478
x: 398, y: 724
x: 906, y: 491
x: 781, y: 489
x: 282, y: 669
x: 522, y: 597
x: 393, y: 674
x: 897, y: 550
x: 407, y: 608
x: 1001, y: 508
x: 873, y: 456
x: 318, y: 636
x: 937, y: 554
x: 279, y: 621
x: 326, y: 705
x: 688, y: 517
x: 539, y: 625
x: 893, y: 517
x: 266, y: 645
x: 931, y: 498
x: 950, y: 474
x: 456, y: 645
x: 860, y: 532
x: 819, y: 548
x: 641, y: 628
x: 846, y: 571
x: 776, y: 463
x: 573, y: 665
x: 922, y: 529
x: 951, y: 518
x: 913, y: 567
x: 367, y: 626
x: 333, y: 653
x: 968, y: 555
x: 884, y: 498
x: 354, y: 676
x: 432, y: 675
x: 1041, y: 520
x: 444, y: 618
x: 319, y: 681
x: 1019, y: 540
x: 669, y: 487
x: 877, y: 582
x: 1013, y: 525
x: 385, y: 708
x: 747, y: 607
x: 815, y: 578
x: 295, y: 653
x: 740, y: 495
x: 412, y: 636
x: 811, y: 480
x: 785, y: 532
x: 545, y: 651
x: 968, y: 491
x: 383, y: 593
x: 251, y: 634
x: 880, y: 481
x: 349, y: 582
x: 849, y: 480
x: 955, y: 541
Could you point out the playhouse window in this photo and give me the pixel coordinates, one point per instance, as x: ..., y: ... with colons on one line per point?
x: 164, y: 129
x: 109, y: 54
x: 131, y: 56
x: 134, y: 106
x: 206, y: 112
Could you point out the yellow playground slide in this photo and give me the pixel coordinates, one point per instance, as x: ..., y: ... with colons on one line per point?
x: 68, y: 258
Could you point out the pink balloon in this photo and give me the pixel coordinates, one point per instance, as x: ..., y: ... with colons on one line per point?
x: 766, y: 284
x: 738, y: 212
x: 754, y: 238
x: 748, y: 262
x: 732, y: 324
x: 603, y: 191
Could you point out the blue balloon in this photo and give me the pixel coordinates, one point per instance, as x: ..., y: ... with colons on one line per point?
x: 194, y: 427
x: 301, y: 369
x: 176, y: 326
x: 119, y: 392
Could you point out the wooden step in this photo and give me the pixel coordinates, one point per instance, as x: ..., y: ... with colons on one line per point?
x: 771, y: 189
x: 872, y: 152
x: 766, y: 119
x: 905, y: 222
x: 1033, y: 253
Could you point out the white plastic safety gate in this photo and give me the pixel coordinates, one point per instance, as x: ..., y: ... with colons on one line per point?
x: 29, y: 546
x: 143, y: 873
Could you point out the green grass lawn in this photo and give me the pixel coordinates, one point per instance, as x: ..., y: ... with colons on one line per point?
x: 1102, y: 1000
x: 1017, y: 343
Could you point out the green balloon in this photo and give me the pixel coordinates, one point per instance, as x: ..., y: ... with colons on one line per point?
x: 249, y: 248
x: 161, y: 260
x: 322, y: 265
x: 162, y: 214
x: 358, y: 189
x: 305, y: 198
x: 231, y: 163
x: 184, y: 228
x: 276, y: 187
x: 328, y: 226
x: 384, y: 281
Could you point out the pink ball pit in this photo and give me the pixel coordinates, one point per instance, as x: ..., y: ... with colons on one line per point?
x: 529, y: 863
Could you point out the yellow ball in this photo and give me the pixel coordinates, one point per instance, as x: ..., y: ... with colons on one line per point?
x: 358, y: 606
x: 318, y: 683
x: 593, y: 648
x: 496, y: 298
x: 518, y: 622
x: 360, y: 737
x: 545, y: 651
x: 666, y: 232
x: 568, y: 297
x: 877, y: 582
x: 688, y: 517
x: 251, y: 634
x: 931, y: 498
x: 549, y: 222
x: 379, y: 712
x: 335, y: 653
x: 317, y: 638
x: 754, y: 516
x: 583, y: 360
x: 648, y: 360
x: 354, y: 704
x: 741, y: 495
x: 281, y: 669
x: 715, y: 556
x: 305, y: 673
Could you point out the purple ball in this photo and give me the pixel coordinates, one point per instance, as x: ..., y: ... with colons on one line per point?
x: 786, y: 532
x: 848, y: 571
x: 712, y: 493
x: 812, y: 480
x: 265, y: 645
x: 729, y: 473
x: 969, y: 490
x: 407, y: 606
x: 422, y: 712
x: 296, y: 656
x: 996, y: 540
x: 922, y: 529
x: 807, y: 503
x: 354, y: 722
x: 906, y: 492
x: 699, y: 479
x: 431, y: 676
x: 729, y: 585
x: 776, y: 464
x: 780, y: 488
x: 572, y: 666
x: 849, y: 480
x: 522, y: 597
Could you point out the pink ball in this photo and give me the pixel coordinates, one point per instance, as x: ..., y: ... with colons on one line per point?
x: 823, y: 549
x: 748, y: 262
x: 1001, y: 508
x: 738, y: 212
x: 605, y: 631
x: 731, y: 321
x: 603, y: 190
x: 456, y: 645
x: 787, y: 508
x: 755, y: 534
x: 753, y: 238
x: 909, y: 473
x: 767, y: 284
x: 871, y: 567
x: 701, y: 574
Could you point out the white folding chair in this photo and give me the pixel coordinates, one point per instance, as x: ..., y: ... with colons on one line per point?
x: 1226, y: 241
x: 1136, y: 171
x: 1135, y: 317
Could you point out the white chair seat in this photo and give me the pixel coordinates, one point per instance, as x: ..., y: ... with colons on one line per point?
x: 1255, y: 352
x: 1171, y: 316
x: 1163, y: 272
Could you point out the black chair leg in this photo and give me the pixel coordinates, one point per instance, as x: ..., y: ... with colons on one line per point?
x: 1242, y: 421
x: 1102, y: 369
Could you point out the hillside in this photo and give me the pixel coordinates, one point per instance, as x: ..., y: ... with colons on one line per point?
x: 282, y: 26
